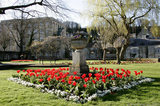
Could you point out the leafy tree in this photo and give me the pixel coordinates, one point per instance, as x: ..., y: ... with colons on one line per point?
x: 155, y: 29
x: 120, y: 15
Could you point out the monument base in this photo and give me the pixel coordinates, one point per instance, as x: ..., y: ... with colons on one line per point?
x: 79, y: 69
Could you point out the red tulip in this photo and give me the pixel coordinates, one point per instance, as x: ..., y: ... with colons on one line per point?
x: 117, y: 70
x: 64, y: 76
x: 37, y: 75
x: 75, y: 72
x: 97, y: 78
x: 94, y: 82
x: 122, y: 70
x: 96, y: 68
x: 108, y: 71
x: 83, y: 76
x: 129, y: 72
x: 136, y: 73
x: 67, y: 73
x: 90, y: 74
x: 74, y: 83
x: 60, y: 73
x: 52, y: 76
x: 40, y: 80
x: 103, y: 80
x: 120, y: 76
x: 57, y: 78
x: 101, y: 69
x: 86, y: 79
x: 125, y: 75
x: 112, y: 78
x: 103, y: 77
x: 18, y: 71
x: 141, y: 71
x: 31, y: 74
x: 85, y: 85
x: 70, y: 82
x: 63, y: 80
x: 48, y: 79
x: 67, y: 69
x: 103, y: 72
x: 97, y: 75
x: 77, y: 77
x: 70, y: 78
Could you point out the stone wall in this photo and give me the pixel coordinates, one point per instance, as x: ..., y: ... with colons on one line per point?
x: 8, y: 55
x: 141, y: 52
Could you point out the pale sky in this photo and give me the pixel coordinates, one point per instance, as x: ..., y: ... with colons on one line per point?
x: 75, y: 5
x: 79, y: 6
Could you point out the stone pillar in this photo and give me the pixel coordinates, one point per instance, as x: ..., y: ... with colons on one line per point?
x: 79, y: 62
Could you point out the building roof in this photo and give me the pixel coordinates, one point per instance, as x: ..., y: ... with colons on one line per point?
x: 143, y: 42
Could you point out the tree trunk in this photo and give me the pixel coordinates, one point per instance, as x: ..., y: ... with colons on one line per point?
x: 4, y: 50
x: 146, y: 47
x: 104, y: 55
x: 118, y: 55
x: 123, y: 51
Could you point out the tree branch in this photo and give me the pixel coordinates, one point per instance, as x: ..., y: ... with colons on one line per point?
x: 3, y: 9
x: 141, y: 15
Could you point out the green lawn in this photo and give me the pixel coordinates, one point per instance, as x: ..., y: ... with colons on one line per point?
x: 13, y: 94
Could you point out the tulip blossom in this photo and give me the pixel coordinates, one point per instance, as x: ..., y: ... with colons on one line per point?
x: 83, y: 76
x: 75, y: 72
x: 103, y: 80
x: 18, y: 71
x: 90, y: 74
x: 40, y: 80
x: 112, y: 78
x: 77, y: 77
x: 94, y: 82
x: 84, y: 85
x: 63, y: 80
x: 69, y: 82
x: 48, y: 79
x: 74, y: 83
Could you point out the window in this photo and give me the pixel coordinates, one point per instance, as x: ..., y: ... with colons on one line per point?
x: 147, y: 36
x: 157, y: 50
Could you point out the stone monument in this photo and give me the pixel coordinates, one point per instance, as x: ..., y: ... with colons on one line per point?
x: 78, y: 43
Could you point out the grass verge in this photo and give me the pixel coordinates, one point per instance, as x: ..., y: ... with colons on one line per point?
x: 13, y: 94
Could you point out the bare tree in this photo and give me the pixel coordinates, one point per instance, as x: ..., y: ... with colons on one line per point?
x: 50, y: 47
x: 4, y: 38
x: 37, y: 49
x: 22, y: 31
x: 19, y: 29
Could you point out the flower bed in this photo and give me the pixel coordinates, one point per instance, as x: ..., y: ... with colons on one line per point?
x: 21, y: 60
x: 79, y: 88
x: 123, y: 62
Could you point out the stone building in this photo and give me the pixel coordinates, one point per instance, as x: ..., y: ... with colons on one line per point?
x: 38, y: 28
x: 144, y: 45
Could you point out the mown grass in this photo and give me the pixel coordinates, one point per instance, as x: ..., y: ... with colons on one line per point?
x: 13, y: 94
